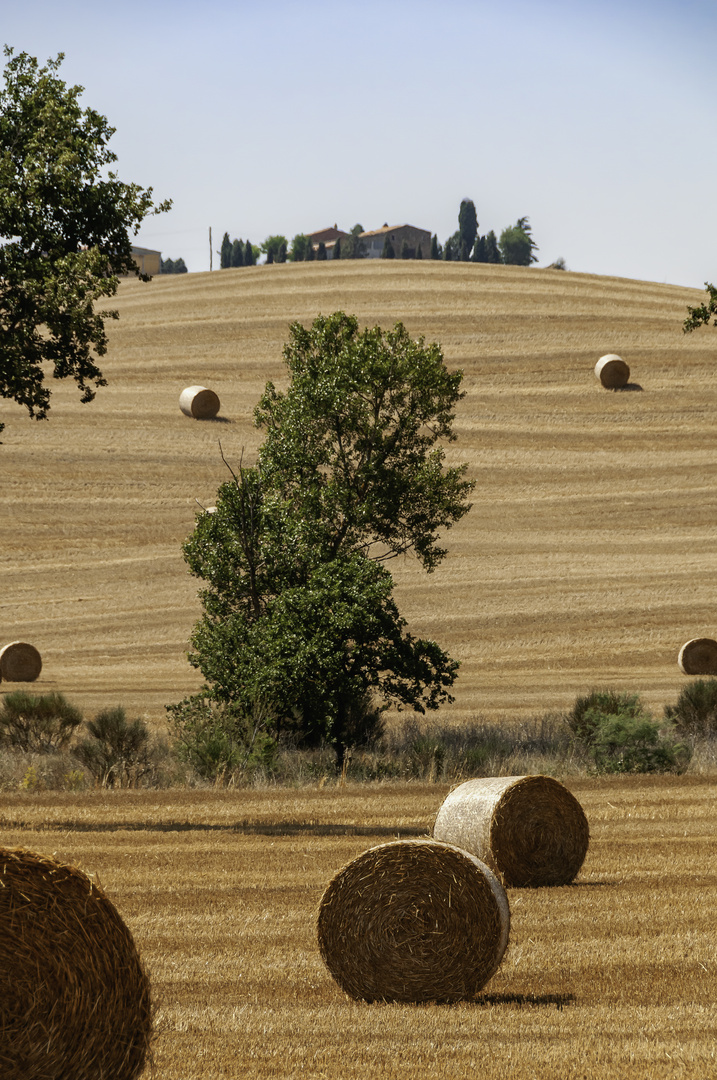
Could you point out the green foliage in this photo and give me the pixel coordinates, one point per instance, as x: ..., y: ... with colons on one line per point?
x: 310, y: 255
x: 695, y: 713
x: 405, y: 250
x: 623, y: 743
x: 299, y: 248
x: 491, y: 251
x: 701, y: 315
x: 478, y: 253
x: 516, y: 244
x: 452, y: 248
x: 225, y: 253
x: 337, y: 248
x: 321, y: 252
x: 354, y: 247
x: 40, y: 724
x: 116, y: 751
x: 436, y: 250
x: 389, y: 252
x: 272, y: 247
x: 559, y: 264
x: 251, y: 254
x: 237, y: 253
x: 220, y: 740
x: 65, y: 223
x: 585, y: 715
x: 172, y: 266
x: 467, y: 228
x: 299, y: 613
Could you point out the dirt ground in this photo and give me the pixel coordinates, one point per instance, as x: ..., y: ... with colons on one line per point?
x: 588, y: 558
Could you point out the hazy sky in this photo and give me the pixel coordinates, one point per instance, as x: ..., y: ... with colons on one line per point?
x: 594, y: 118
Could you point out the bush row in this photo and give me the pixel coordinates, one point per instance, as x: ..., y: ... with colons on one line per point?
x: 45, y: 743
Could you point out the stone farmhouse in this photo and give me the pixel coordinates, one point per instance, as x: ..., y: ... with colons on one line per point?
x: 329, y: 237
x: 413, y: 238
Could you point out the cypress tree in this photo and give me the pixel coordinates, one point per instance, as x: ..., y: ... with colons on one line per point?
x: 337, y: 248
x: 491, y: 249
x: 249, y: 259
x: 281, y: 253
x: 419, y: 253
x: 225, y: 255
x: 269, y: 257
x: 435, y: 248
x: 467, y: 229
x: 479, y: 250
x: 405, y: 250
x: 321, y: 253
x: 388, y: 252
x: 310, y: 253
x: 237, y: 253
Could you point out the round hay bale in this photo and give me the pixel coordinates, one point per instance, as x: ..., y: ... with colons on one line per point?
x: 528, y: 829
x: 612, y: 371
x: 74, y: 997
x: 20, y: 662
x: 413, y: 921
x: 698, y: 657
x: 198, y: 402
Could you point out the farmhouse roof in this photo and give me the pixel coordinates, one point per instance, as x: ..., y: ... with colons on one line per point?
x: 388, y: 228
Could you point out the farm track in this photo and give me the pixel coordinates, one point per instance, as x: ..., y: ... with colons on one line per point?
x: 588, y: 558
x: 615, y: 975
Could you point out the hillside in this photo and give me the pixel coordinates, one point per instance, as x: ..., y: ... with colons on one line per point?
x: 588, y: 558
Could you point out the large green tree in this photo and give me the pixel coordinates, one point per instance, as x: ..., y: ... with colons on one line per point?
x: 517, y: 245
x: 299, y: 614
x: 225, y: 253
x: 65, y: 225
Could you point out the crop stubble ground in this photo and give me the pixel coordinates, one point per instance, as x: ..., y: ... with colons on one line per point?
x: 615, y: 975
x: 588, y: 559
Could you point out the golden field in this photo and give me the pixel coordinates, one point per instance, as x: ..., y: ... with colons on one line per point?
x: 615, y: 975
x: 588, y: 558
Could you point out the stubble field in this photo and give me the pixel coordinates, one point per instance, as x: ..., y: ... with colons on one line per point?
x: 589, y: 557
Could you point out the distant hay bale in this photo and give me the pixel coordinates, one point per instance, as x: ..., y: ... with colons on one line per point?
x: 20, y: 662
x: 413, y: 921
x: 529, y: 830
x: 74, y: 997
x: 698, y: 657
x: 612, y: 371
x: 198, y: 402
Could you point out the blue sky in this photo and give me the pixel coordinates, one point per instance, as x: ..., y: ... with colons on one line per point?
x: 594, y: 118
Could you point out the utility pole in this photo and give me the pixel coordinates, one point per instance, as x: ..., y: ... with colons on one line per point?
x: 210, y: 248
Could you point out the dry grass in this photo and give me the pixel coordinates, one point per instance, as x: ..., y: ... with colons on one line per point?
x: 587, y: 560
x: 615, y: 975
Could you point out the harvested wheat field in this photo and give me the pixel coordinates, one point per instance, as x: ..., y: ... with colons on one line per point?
x: 588, y: 558
x: 614, y: 975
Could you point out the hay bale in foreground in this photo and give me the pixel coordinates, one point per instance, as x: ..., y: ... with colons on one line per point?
x: 20, y: 662
x: 413, y: 921
x: 198, y: 402
x: 612, y: 371
x: 74, y: 997
x: 698, y: 657
x: 528, y: 829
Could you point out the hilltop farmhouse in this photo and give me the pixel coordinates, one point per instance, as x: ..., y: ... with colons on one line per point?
x: 328, y: 237
x: 405, y: 239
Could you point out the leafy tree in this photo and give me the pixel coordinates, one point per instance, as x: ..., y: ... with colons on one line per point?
x: 272, y: 246
x: 436, y: 250
x: 299, y: 614
x: 354, y: 247
x: 389, y: 251
x: 321, y: 251
x: 172, y: 266
x: 491, y: 250
x: 237, y: 253
x: 299, y: 246
x: 516, y: 244
x: 701, y: 315
x: 467, y: 228
x: 337, y: 248
x: 225, y: 254
x: 281, y: 253
x: 65, y: 225
x: 452, y: 248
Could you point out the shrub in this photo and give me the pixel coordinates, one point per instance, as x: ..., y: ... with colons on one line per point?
x: 37, y: 724
x: 623, y: 743
x: 586, y: 714
x: 117, y: 751
x: 695, y: 712
x: 219, y: 740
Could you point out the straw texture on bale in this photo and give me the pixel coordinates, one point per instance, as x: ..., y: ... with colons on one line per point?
x: 413, y: 921
x: 74, y: 997
x: 698, y: 657
x: 612, y: 371
x: 199, y: 402
x: 20, y: 662
x: 529, y: 830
